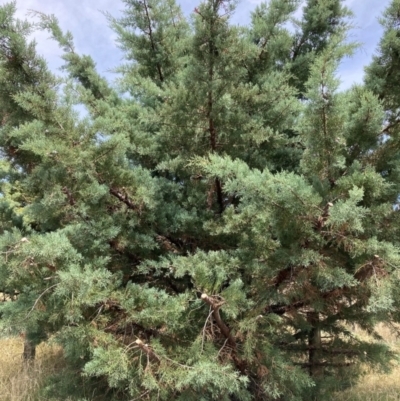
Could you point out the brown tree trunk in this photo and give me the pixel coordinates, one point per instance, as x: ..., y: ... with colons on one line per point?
x: 314, y: 343
x: 29, y: 351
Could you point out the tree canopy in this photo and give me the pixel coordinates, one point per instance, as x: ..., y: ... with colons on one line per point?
x: 219, y: 218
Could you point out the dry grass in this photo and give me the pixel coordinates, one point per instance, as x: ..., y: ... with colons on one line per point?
x: 19, y: 381
x: 373, y: 386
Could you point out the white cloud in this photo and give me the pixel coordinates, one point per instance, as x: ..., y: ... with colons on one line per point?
x: 93, y: 36
x: 87, y: 24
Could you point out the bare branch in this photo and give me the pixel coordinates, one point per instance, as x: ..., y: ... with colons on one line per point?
x: 215, y: 306
x: 147, y: 350
x: 40, y: 296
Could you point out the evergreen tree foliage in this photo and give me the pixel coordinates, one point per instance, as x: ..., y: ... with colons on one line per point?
x: 383, y: 73
x: 381, y: 78
x: 222, y: 216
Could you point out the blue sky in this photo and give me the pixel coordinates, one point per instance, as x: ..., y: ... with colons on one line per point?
x: 92, y: 35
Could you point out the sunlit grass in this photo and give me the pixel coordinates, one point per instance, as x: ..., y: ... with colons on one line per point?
x: 20, y: 381
x: 373, y: 386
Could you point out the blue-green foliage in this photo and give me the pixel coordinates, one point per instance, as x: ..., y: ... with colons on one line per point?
x: 218, y: 219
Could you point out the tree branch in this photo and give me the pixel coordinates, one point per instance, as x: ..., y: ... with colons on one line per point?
x: 215, y: 306
x: 40, y: 296
x: 123, y: 198
x: 335, y: 351
x: 337, y: 364
x: 153, y: 46
x: 147, y: 350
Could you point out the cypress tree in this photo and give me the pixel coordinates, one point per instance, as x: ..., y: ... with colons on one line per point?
x: 321, y: 21
x: 219, y: 219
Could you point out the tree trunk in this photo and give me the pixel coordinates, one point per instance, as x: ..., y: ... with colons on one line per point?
x: 314, y: 342
x: 29, y: 351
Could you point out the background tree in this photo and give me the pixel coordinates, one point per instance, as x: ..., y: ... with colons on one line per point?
x: 212, y: 234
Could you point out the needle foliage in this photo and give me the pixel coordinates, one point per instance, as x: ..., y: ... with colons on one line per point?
x: 218, y: 219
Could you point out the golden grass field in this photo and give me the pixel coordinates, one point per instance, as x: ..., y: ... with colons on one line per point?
x: 19, y: 382
x: 373, y: 386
